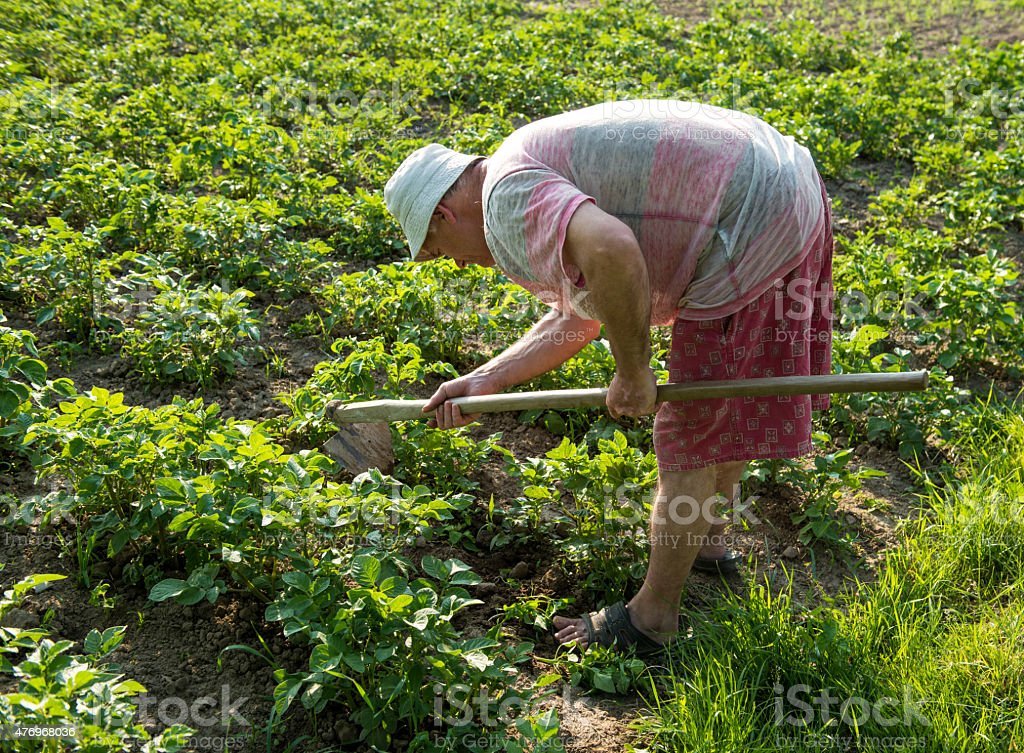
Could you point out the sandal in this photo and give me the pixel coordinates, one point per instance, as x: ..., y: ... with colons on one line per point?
x: 611, y: 627
x: 727, y: 564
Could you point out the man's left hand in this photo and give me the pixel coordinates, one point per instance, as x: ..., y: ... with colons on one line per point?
x: 633, y: 394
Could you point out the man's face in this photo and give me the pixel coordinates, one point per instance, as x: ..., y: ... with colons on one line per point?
x: 444, y: 239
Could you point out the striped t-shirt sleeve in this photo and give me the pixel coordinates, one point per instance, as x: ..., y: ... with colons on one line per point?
x: 528, y: 213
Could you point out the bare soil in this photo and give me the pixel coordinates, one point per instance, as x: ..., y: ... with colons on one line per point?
x: 933, y: 27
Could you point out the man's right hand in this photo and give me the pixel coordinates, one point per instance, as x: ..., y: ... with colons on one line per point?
x: 636, y: 395
x: 448, y: 415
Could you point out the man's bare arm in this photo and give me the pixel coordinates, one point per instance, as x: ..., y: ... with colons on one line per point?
x: 552, y: 341
x: 607, y: 253
x: 609, y: 256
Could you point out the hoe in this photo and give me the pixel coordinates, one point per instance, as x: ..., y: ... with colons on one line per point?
x: 364, y: 440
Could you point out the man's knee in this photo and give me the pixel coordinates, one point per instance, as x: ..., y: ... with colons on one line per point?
x: 685, y: 497
x: 727, y: 476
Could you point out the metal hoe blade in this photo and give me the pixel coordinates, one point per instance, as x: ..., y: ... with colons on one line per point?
x: 359, y: 447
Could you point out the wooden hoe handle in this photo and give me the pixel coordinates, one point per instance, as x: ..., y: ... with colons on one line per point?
x: 407, y: 410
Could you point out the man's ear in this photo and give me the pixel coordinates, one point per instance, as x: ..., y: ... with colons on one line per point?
x: 444, y: 213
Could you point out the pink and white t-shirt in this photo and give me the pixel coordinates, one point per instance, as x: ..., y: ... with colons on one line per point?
x: 720, y: 202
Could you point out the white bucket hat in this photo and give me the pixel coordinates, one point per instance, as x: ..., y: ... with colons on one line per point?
x: 419, y: 183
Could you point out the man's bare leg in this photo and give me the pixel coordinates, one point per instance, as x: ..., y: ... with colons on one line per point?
x: 727, y: 482
x: 680, y: 519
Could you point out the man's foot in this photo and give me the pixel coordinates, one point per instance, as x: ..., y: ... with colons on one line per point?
x: 714, y: 547
x: 611, y: 623
x: 726, y: 564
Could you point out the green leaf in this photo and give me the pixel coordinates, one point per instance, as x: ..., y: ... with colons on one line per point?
x: 118, y: 541
x: 355, y: 661
x: 170, y: 488
x: 93, y: 641
x: 79, y: 677
x: 547, y: 679
x: 103, y: 643
x: 168, y: 589
x: 277, y: 611
x: 366, y: 570
x: 603, y: 680
x: 322, y: 659
x: 34, y: 582
x: 9, y: 402
x: 433, y: 567
x: 130, y: 687
x: 285, y: 693
x: 536, y: 492
x: 421, y: 618
x: 400, y: 602
x: 192, y: 595
x: 467, y: 578
x: 34, y: 371
x: 394, y: 585
x: 478, y: 660
x: 180, y: 521
x: 298, y: 579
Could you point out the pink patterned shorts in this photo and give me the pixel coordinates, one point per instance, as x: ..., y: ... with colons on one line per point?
x: 787, y: 331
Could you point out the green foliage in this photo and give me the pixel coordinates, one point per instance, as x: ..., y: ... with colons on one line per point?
x: 66, y: 276
x: 432, y: 305
x: 443, y: 459
x: 536, y: 611
x: 201, y: 583
x: 250, y: 150
x: 975, y: 520
x: 597, y: 504
x: 21, y: 372
x: 366, y: 364
x: 384, y: 647
x: 821, y: 487
x: 176, y: 488
x: 605, y: 669
x: 195, y: 335
x: 54, y: 687
x: 907, y: 422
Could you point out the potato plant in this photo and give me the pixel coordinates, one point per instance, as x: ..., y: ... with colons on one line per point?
x: 21, y: 371
x: 200, y: 335
x: 597, y: 502
x: 381, y: 639
x: 86, y: 692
